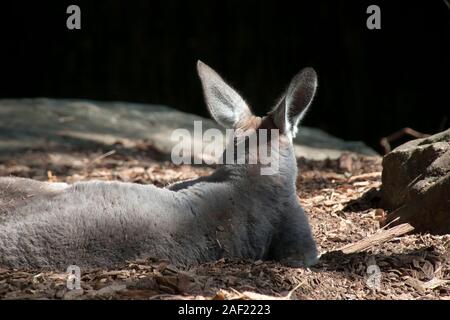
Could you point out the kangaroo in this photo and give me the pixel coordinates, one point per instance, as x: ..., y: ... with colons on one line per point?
x: 235, y: 212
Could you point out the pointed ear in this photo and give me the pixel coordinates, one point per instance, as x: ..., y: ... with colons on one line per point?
x: 224, y: 103
x: 294, y: 104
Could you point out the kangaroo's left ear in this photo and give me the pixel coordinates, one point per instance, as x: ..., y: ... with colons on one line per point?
x: 294, y: 104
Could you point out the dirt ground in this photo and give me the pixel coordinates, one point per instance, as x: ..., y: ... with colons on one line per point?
x: 339, y: 196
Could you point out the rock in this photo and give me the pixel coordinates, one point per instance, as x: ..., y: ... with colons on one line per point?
x: 41, y: 122
x: 59, y: 293
x: 316, y: 144
x: 73, y: 294
x: 416, y: 184
x: 110, y: 290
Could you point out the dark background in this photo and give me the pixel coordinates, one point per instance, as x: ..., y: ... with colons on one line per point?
x: 371, y: 82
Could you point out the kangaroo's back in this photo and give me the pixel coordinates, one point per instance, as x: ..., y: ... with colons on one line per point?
x: 93, y: 223
x: 18, y: 192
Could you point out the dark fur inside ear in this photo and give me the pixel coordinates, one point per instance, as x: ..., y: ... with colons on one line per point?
x: 293, y: 105
x: 279, y: 115
x: 300, y: 94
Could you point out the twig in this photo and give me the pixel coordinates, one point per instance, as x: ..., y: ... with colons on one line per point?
x: 365, y: 176
x: 386, y: 141
x: 389, y: 223
x: 103, y: 156
x: 288, y: 296
x: 377, y: 238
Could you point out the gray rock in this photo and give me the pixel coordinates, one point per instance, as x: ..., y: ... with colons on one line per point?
x: 33, y: 123
x: 109, y: 290
x: 73, y: 294
x: 416, y: 183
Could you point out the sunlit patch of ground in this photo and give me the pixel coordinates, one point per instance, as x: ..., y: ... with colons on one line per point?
x: 412, y: 267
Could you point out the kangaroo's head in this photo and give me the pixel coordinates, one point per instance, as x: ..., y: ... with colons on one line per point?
x: 279, y: 126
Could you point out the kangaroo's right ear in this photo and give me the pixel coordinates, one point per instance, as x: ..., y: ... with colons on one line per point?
x: 224, y: 103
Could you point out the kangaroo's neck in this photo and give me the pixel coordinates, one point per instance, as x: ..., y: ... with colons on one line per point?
x: 229, y: 181
x: 236, y: 212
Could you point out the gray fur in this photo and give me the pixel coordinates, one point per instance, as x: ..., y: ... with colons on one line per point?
x: 235, y: 212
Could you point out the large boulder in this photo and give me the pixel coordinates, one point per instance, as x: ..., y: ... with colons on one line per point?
x: 34, y: 123
x: 416, y: 184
